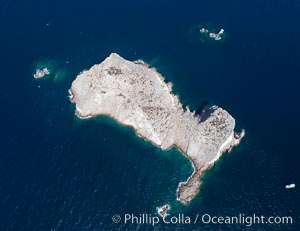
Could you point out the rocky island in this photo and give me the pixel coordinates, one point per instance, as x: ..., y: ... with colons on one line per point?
x: 136, y: 95
x: 40, y: 73
x: 163, y: 211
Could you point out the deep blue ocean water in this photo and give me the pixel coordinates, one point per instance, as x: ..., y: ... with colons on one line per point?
x: 60, y: 173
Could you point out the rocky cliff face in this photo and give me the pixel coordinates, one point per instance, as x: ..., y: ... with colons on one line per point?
x: 137, y: 96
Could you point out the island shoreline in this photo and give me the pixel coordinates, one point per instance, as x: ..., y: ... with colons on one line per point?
x: 198, y: 172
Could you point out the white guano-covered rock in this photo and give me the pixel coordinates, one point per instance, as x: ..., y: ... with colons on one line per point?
x: 137, y: 96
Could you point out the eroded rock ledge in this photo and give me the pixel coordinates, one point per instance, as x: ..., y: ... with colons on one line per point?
x: 137, y: 96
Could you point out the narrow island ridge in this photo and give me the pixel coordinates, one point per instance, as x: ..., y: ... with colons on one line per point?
x: 136, y: 95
